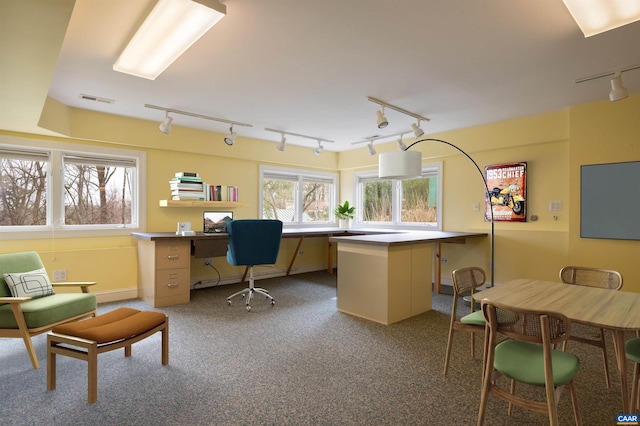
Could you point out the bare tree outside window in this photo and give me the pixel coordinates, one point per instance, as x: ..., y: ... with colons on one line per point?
x: 97, y: 194
x: 377, y: 201
x: 315, y: 202
x: 23, y: 189
x: 278, y: 199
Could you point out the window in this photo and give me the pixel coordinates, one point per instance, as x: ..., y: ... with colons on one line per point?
x: 297, y: 197
x: 72, y: 190
x: 412, y: 203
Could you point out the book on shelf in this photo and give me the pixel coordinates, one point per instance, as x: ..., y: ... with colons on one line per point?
x: 232, y: 193
x: 195, y: 186
x: 217, y: 193
x: 187, y: 175
x: 187, y: 195
x: 186, y: 180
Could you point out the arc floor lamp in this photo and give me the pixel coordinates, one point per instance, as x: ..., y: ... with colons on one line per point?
x: 406, y: 164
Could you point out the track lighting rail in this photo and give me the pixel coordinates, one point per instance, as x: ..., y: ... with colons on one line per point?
x: 393, y: 107
x: 192, y: 114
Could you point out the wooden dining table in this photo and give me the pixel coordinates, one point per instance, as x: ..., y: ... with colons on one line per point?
x: 618, y: 311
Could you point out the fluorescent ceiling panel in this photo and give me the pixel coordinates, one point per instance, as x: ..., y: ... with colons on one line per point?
x: 169, y: 30
x: 597, y: 16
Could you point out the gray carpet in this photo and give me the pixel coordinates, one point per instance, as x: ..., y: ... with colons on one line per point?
x: 299, y: 363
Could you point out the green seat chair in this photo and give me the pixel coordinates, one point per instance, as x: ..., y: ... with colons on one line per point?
x: 527, y: 356
x: 465, y: 280
x: 25, y: 317
x: 632, y: 350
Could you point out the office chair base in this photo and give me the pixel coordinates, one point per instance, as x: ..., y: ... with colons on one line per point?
x: 247, y: 294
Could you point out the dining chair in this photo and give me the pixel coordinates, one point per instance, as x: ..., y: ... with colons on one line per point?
x: 632, y: 351
x: 253, y: 242
x: 593, y: 277
x: 465, y: 280
x: 527, y: 355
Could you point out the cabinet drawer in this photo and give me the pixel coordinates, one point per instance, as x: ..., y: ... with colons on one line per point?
x: 174, y: 282
x: 171, y: 255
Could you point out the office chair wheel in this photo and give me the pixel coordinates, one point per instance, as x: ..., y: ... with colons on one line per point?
x: 228, y: 302
x: 273, y: 302
x: 248, y: 308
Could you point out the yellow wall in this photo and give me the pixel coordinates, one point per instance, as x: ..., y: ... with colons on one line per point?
x: 554, y: 145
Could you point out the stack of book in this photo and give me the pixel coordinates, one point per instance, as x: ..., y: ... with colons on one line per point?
x: 187, y: 186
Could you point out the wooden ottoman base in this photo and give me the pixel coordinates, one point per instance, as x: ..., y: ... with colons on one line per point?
x: 117, y: 329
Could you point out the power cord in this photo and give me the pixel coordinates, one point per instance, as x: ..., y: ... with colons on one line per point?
x: 209, y: 262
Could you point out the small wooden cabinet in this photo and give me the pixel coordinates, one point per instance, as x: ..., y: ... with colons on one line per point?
x: 164, y: 270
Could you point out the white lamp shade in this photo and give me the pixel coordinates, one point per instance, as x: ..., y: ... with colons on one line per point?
x: 165, y: 126
x: 400, y: 164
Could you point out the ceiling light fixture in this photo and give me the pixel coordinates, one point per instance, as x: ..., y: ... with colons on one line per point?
x: 167, y: 121
x: 597, y: 16
x: 317, y: 151
x: 167, y: 32
x: 380, y: 114
x: 417, y: 130
x: 401, y: 145
x: 165, y: 126
x: 371, y: 139
x: 371, y: 149
x: 382, y: 120
x: 618, y: 91
x: 231, y: 137
x: 282, y: 143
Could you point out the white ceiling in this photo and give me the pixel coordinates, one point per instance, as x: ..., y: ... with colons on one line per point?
x: 306, y: 66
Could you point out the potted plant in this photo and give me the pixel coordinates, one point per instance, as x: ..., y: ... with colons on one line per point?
x: 344, y: 212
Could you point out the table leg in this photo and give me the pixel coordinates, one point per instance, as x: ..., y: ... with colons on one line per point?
x: 618, y: 340
x: 330, y: 258
x: 436, y: 268
x: 295, y: 254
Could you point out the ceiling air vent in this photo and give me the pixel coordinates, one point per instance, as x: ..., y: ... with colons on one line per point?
x: 97, y: 99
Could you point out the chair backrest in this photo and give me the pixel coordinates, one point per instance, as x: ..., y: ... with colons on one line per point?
x: 468, y: 279
x: 254, y: 241
x: 543, y: 327
x: 591, y: 277
x: 17, y: 262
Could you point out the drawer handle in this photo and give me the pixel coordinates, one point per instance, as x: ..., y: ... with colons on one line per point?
x: 173, y: 257
x: 173, y: 285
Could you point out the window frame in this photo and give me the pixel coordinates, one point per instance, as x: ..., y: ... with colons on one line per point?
x: 299, y: 176
x: 55, y: 227
x: 428, y: 169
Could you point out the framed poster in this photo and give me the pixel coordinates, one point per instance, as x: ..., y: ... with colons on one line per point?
x: 507, y: 185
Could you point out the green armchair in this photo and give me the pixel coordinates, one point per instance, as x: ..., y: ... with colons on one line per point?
x: 27, y: 316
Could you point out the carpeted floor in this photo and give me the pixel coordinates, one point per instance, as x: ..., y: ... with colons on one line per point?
x: 299, y: 363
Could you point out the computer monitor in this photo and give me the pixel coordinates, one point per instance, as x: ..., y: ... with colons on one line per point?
x: 216, y: 221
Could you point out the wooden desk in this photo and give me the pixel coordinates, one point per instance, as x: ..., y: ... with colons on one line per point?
x: 617, y: 311
x: 164, y: 259
x: 387, y: 277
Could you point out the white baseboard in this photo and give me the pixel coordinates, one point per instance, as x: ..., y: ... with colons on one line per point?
x: 117, y: 295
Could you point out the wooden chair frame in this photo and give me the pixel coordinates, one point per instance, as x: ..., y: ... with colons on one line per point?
x: 514, y: 329
x: 593, y: 277
x: 25, y: 333
x: 464, y: 281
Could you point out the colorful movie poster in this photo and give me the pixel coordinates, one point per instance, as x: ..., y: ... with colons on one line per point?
x: 507, y: 185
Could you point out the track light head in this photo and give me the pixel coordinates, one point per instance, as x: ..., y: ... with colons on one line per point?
x: 401, y: 145
x: 231, y: 137
x: 417, y: 130
x: 618, y: 91
x: 371, y: 149
x: 382, y: 120
x: 165, y: 126
x: 318, y: 150
x: 282, y: 143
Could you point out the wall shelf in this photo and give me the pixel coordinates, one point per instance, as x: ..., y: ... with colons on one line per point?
x: 201, y: 203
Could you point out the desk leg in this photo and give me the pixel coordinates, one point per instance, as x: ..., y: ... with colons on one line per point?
x: 295, y: 254
x: 618, y: 341
x: 330, y: 257
x: 436, y: 268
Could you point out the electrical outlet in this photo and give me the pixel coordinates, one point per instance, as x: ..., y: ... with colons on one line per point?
x: 555, y: 206
x: 445, y: 260
x: 300, y: 252
x: 208, y: 261
x: 60, y: 275
x: 476, y: 207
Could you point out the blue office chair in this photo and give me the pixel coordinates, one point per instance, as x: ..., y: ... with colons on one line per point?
x: 253, y: 242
